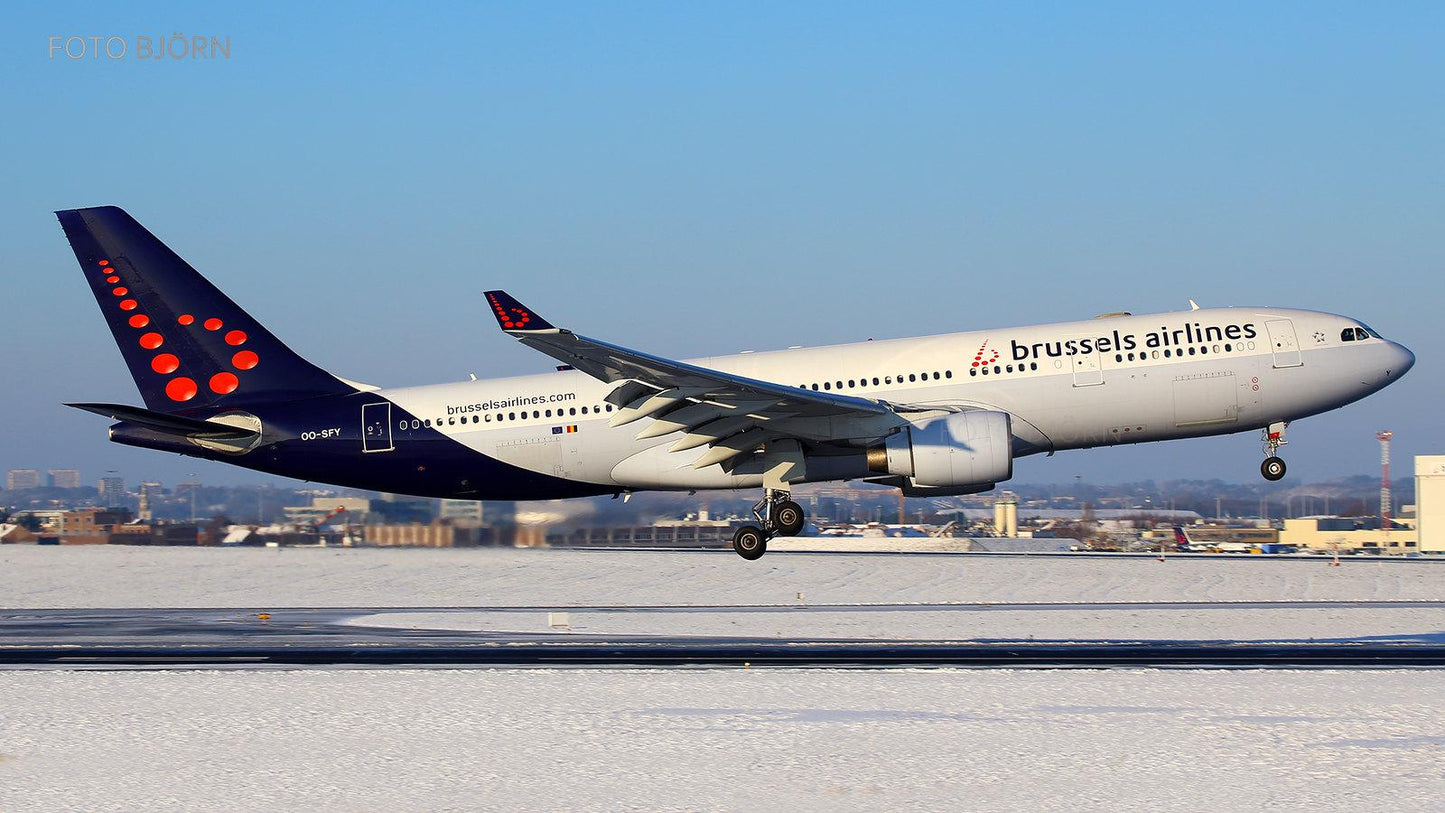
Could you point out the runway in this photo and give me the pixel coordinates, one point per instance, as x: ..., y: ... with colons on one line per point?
x: 517, y: 636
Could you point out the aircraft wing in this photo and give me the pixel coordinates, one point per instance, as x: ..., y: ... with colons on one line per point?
x: 731, y: 413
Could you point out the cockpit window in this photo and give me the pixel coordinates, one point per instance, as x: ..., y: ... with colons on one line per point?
x: 1347, y: 335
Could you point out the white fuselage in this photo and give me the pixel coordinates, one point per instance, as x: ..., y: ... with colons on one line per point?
x: 1120, y: 379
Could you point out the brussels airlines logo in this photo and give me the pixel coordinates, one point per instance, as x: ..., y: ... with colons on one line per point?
x: 1116, y: 342
x: 978, y: 358
x: 515, y: 320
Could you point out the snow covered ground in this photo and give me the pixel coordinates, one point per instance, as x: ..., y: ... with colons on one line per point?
x: 750, y: 739
x: 711, y: 740
x: 116, y: 576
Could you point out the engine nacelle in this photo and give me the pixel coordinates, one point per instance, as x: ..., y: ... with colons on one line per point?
x: 958, y: 449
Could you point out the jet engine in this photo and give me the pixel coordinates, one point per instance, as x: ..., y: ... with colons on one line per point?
x: 957, y: 450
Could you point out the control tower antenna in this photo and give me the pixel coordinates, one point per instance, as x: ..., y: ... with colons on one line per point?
x: 1384, y: 437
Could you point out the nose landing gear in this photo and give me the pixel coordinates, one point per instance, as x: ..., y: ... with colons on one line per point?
x: 1273, y: 468
x: 778, y: 515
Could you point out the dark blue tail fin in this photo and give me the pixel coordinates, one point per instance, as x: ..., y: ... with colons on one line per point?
x: 187, y: 344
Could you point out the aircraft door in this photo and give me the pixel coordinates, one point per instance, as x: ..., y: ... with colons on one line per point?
x: 1087, y: 371
x: 376, y: 427
x: 1282, y: 340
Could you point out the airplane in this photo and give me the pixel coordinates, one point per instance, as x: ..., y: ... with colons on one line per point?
x: 933, y: 416
x: 1182, y: 542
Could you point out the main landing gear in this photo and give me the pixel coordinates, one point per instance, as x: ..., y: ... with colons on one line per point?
x: 778, y: 515
x: 1273, y: 467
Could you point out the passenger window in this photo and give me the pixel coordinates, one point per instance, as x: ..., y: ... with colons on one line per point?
x: 887, y: 379
x: 584, y: 410
x: 572, y: 411
x: 511, y: 416
x: 936, y: 376
x: 949, y: 373
x: 827, y: 385
x: 428, y: 421
x: 973, y: 371
x: 875, y: 380
x: 912, y: 377
x: 815, y: 386
x: 851, y: 383
x: 1033, y: 365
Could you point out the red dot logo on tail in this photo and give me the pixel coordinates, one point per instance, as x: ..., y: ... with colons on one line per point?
x: 224, y: 383
x: 181, y: 389
x: 165, y: 364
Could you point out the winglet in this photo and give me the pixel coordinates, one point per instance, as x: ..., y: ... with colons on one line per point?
x: 513, y: 316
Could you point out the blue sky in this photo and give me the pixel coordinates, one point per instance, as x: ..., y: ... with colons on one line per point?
x: 733, y: 176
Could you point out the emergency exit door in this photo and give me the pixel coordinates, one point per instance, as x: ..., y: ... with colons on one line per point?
x: 376, y: 427
x: 1282, y: 340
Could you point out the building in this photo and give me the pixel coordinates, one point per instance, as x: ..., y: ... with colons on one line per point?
x: 91, y: 526
x: 22, y: 478
x: 1430, y: 502
x: 63, y: 478
x: 112, y: 488
x: 150, y: 493
x: 436, y: 534
x: 11, y: 534
x: 461, y: 511
x: 354, y: 510
x: 1348, y: 535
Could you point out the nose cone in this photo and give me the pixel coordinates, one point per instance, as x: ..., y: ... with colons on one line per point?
x: 1400, y: 361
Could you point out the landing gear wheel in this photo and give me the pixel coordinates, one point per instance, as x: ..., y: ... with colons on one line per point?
x: 789, y: 518
x: 1272, y: 468
x: 750, y: 542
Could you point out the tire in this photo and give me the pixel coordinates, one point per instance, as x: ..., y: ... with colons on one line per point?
x: 789, y: 518
x: 750, y: 542
x: 1272, y: 468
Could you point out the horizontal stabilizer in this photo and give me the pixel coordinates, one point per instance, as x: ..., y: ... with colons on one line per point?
x: 175, y: 424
